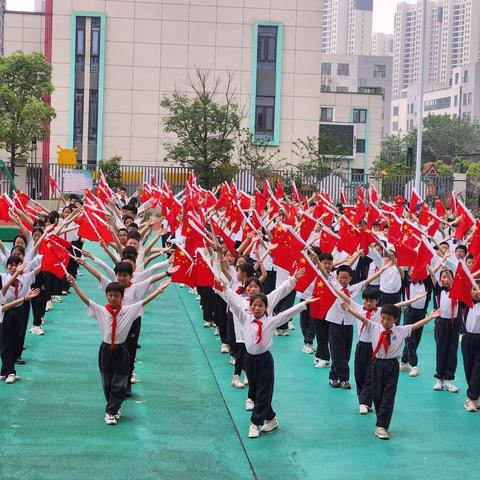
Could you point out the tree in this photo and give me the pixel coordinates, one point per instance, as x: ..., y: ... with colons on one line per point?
x: 205, y: 124
x: 257, y: 155
x: 24, y: 80
x: 112, y: 171
x: 319, y: 155
x: 392, y: 160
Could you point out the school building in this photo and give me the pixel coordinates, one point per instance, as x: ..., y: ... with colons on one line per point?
x: 113, y: 61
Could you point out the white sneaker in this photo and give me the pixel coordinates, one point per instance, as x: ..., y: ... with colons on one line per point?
x: 270, y: 425
x: 79, y: 274
x: 249, y: 405
x: 207, y: 324
x: 414, y: 372
x: 110, y: 419
x: 253, y: 431
x: 236, y: 382
x: 438, y: 385
x: 133, y: 378
x: 308, y: 348
x: 284, y: 333
x: 276, y: 332
x: 477, y: 403
x: 363, y: 410
x: 405, y: 367
x: 49, y: 306
x: 450, y: 387
x: 224, y: 348
x: 197, y: 298
x: 382, y: 433
x: 470, y: 405
x: 319, y: 363
x: 118, y: 415
x: 216, y: 332
x: 12, y: 378
x: 57, y: 299
x: 291, y: 326
x: 245, y: 380
x: 232, y: 360
x: 35, y: 330
x: 43, y: 320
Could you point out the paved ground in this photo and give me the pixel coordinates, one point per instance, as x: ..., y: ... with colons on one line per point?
x: 186, y: 422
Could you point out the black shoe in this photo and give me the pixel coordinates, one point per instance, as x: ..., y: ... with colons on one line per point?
x: 138, y: 346
x: 334, y: 383
x: 129, y: 391
x: 20, y: 361
x: 345, y: 385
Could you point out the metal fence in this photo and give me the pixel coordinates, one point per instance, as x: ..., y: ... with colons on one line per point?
x: 247, y: 180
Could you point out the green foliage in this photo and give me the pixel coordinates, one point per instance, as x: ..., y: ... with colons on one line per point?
x: 24, y: 80
x: 256, y: 154
x: 444, y: 169
x: 474, y: 169
x: 392, y: 160
x: 205, y: 129
x: 319, y: 155
x: 446, y: 138
x: 112, y: 171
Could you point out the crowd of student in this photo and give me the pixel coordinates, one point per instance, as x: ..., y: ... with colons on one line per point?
x: 248, y: 257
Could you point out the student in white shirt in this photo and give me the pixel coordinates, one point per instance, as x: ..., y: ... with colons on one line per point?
x: 391, y: 281
x: 114, y: 321
x: 471, y: 354
x: 387, y: 339
x: 258, y: 329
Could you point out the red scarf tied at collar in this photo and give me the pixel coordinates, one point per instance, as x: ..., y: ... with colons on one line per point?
x: 259, y: 331
x: 114, y: 313
x: 383, y: 340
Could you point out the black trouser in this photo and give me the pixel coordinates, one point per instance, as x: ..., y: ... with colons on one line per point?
x: 9, y: 329
x: 340, y: 339
x: 471, y: 363
x: 386, y: 298
x: 22, y: 330
x: 269, y: 285
x: 220, y: 316
x: 39, y: 303
x: 114, y: 370
x: 240, y: 352
x: 132, y: 342
x: 231, y: 333
x: 363, y: 372
x: 446, y: 338
x: 261, y: 378
x: 206, y: 302
x: 322, y: 328
x: 412, y: 315
x: 307, y: 326
x: 284, y: 304
x: 384, y: 381
x: 72, y: 269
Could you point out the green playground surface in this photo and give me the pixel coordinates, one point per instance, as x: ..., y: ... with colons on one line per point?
x: 185, y: 421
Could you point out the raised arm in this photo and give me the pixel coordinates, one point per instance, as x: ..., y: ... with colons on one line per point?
x: 355, y: 313
x: 375, y: 275
x: 79, y: 291
x: 31, y: 294
x: 408, y: 302
x: 428, y: 318
x: 88, y: 268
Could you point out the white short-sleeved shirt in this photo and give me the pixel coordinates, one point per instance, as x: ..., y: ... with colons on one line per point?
x: 445, y: 305
x: 125, y: 318
x: 336, y: 314
x: 396, y: 339
x: 390, y: 280
x: 25, y: 282
x: 134, y: 293
x: 473, y: 319
x: 364, y: 334
x: 282, y: 275
x: 418, y: 288
x: 372, y: 269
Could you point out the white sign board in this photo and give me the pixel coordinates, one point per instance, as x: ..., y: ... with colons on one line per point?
x: 76, y: 181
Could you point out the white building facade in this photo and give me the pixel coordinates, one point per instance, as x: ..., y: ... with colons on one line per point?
x: 382, y: 44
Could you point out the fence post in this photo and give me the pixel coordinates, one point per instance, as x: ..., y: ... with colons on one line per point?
x: 459, y: 183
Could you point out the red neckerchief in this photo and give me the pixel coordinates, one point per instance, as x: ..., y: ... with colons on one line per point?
x: 259, y: 330
x: 383, y: 340
x: 368, y: 315
x: 346, y: 291
x: 114, y: 313
x: 239, y: 290
x: 16, y: 285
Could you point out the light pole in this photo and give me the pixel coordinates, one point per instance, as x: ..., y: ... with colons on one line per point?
x: 421, y: 88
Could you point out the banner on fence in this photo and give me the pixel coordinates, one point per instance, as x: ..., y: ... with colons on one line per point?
x: 76, y: 181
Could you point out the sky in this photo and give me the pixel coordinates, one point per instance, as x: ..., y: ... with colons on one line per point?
x: 383, y: 12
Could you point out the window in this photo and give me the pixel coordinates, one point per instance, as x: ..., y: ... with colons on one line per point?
x: 470, y: 98
x: 455, y: 101
x: 465, y: 76
x: 465, y: 98
x: 343, y: 69
x: 80, y: 46
x: 93, y: 117
x: 95, y: 45
x: 438, y: 104
x: 325, y: 88
x: 360, y: 145
x: 395, y: 111
x: 263, y: 123
x: 380, y: 71
x: 326, y: 114
x: 342, y: 89
x: 326, y: 68
x: 395, y: 126
x: 359, y: 115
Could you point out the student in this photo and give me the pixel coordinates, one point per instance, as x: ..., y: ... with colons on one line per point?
x: 391, y: 281
x: 9, y: 335
x: 447, y: 332
x: 114, y: 321
x: 471, y: 354
x: 341, y: 326
x: 387, y: 340
x: 258, y: 331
